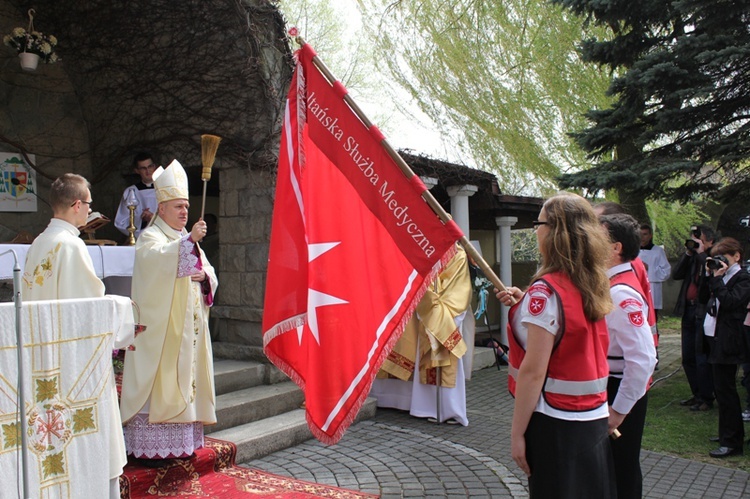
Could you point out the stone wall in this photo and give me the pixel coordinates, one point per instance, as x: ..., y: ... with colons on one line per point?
x: 155, y: 75
x: 245, y: 212
x: 40, y: 113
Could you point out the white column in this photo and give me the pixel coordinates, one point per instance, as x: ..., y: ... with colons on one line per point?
x: 429, y: 182
x: 503, y: 254
x: 460, y: 195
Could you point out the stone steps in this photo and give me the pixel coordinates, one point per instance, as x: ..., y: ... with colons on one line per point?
x: 258, y: 407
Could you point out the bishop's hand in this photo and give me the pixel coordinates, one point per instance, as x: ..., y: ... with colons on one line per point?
x: 199, y: 231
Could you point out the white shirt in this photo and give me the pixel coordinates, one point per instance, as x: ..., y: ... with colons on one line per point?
x: 547, y: 318
x: 709, y: 323
x: 146, y: 199
x: 659, y: 271
x: 631, y: 355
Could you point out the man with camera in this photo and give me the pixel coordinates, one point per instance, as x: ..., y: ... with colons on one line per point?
x: 690, y: 270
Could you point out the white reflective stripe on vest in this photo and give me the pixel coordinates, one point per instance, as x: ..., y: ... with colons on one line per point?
x: 565, y: 387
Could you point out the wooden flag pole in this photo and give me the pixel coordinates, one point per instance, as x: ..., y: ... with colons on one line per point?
x: 406, y: 170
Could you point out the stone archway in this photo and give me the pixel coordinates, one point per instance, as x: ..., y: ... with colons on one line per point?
x: 155, y: 75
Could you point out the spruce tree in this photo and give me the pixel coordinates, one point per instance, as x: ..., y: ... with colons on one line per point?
x: 681, y: 84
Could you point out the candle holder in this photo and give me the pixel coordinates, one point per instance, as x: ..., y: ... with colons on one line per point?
x: 131, y: 202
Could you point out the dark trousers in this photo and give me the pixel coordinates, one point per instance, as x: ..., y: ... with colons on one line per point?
x: 626, y: 450
x: 731, y: 429
x: 569, y: 459
x: 694, y: 357
x: 746, y: 383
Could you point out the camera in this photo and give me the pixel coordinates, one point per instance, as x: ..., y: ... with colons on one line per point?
x: 713, y: 263
x: 690, y: 244
x: 696, y: 231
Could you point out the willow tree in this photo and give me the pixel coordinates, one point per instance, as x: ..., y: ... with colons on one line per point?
x: 342, y: 49
x: 502, y: 80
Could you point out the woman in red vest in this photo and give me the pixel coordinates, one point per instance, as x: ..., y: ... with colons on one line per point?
x: 558, y: 357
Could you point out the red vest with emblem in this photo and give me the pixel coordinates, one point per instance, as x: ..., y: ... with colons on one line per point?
x: 631, y: 279
x: 577, y: 372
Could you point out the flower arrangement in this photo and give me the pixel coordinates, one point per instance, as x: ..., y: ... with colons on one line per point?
x: 33, y: 42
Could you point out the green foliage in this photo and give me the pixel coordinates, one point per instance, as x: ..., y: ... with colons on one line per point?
x: 501, y: 80
x: 671, y: 224
x: 673, y: 429
x: 524, y: 245
x: 337, y: 43
x: 681, y: 92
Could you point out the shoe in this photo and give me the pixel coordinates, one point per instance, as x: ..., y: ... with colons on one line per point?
x: 689, y: 402
x: 703, y: 406
x: 746, y: 415
x: 713, y: 439
x: 153, y: 463
x: 725, y: 452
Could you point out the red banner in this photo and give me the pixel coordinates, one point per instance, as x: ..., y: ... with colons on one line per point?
x: 353, y: 246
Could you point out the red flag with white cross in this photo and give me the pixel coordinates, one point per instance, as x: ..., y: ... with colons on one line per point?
x: 353, y: 247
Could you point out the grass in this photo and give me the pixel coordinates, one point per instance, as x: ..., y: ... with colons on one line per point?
x: 675, y: 430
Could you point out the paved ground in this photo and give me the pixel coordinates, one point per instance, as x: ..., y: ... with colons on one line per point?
x: 396, y: 455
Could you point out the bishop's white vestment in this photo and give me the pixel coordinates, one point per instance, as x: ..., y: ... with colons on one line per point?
x: 168, y: 381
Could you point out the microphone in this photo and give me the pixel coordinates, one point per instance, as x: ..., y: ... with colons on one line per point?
x: 17, y: 183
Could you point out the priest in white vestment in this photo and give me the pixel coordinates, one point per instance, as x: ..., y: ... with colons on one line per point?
x: 168, y: 381
x: 58, y: 267
x: 430, y: 355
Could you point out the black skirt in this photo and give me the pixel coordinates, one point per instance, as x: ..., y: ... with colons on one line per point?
x: 569, y: 459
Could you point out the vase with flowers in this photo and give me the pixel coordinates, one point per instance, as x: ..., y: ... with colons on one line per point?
x: 31, y: 45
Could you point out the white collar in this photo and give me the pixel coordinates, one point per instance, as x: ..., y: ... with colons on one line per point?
x: 59, y: 223
x: 619, y: 268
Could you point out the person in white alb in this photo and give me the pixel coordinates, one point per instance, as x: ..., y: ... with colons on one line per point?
x: 631, y: 355
x: 144, y: 193
x: 657, y: 265
x: 59, y: 267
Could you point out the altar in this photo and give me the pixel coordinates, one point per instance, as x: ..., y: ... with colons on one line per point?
x: 113, y: 265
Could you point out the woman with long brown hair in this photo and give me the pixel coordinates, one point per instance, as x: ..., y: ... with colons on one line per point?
x: 558, y: 357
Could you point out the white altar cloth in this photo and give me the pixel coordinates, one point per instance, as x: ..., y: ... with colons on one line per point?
x: 69, y: 390
x: 109, y: 261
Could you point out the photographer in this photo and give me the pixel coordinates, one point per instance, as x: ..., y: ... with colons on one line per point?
x: 689, y: 269
x: 729, y: 289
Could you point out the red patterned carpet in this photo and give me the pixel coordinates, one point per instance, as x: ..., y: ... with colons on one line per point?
x: 212, y: 473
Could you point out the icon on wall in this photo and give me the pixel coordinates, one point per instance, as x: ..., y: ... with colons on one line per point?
x: 17, y: 183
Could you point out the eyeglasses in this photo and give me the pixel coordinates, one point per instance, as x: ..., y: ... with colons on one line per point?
x: 87, y: 203
x: 537, y: 223
x: 145, y: 168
